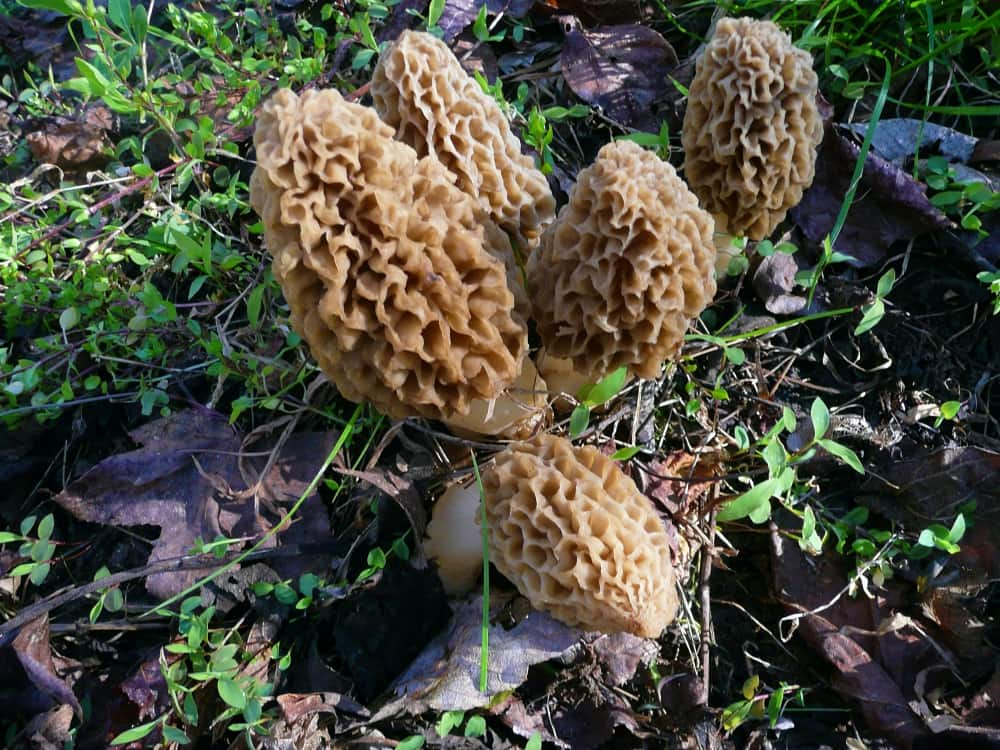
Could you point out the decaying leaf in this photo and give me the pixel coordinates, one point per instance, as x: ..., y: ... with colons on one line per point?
x: 897, y: 140
x: 931, y: 487
x: 49, y: 730
x: 623, y: 69
x: 366, y: 634
x: 296, y: 706
x: 619, y: 655
x: 458, y: 14
x: 147, y: 689
x: 774, y: 281
x: 74, y: 143
x: 445, y: 676
x: 889, y: 204
x: 35, y: 654
x: 185, y: 478
x: 858, y: 674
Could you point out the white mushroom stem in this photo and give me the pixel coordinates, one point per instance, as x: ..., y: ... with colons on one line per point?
x: 514, y: 414
x: 454, y: 539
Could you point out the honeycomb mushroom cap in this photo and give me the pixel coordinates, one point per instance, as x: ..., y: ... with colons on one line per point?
x: 385, y: 264
x: 625, y: 267
x: 420, y: 89
x: 752, y: 126
x: 578, y: 539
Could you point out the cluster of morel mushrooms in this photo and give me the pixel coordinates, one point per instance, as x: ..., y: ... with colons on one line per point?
x: 397, y: 234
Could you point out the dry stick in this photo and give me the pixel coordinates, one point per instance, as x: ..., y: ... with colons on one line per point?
x: 170, y: 565
x: 102, y: 203
x: 705, y: 592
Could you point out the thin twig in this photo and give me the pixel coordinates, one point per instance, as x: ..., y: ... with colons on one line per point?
x: 705, y: 594
x: 169, y: 565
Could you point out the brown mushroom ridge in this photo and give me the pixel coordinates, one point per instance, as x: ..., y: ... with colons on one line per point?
x: 752, y: 126
x: 578, y: 539
x: 384, y: 263
x: 625, y: 267
x: 420, y: 88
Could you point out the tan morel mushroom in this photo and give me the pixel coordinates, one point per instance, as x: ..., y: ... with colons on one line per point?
x: 385, y: 264
x: 625, y: 267
x: 421, y: 90
x: 578, y: 539
x: 752, y: 126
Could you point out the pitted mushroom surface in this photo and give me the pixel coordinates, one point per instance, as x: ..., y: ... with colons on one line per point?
x: 421, y: 90
x: 578, y: 539
x: 388, y: 268
x: 628, y: 263
x: 752, y: 126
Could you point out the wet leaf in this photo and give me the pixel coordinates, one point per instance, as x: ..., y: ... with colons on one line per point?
x: 896, y: 140
x: 623, y: 69
x: 458, y: 14
x: 186, y: 479
x: 774, y: 281
x: 889, y: 204
x: 866, y: 677
x: 34, y: 652
x: 76, y: 143
x: 445, y: 676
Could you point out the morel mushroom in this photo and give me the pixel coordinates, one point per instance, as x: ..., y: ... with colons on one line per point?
x: 625, y: 267
x: 385, y: 264
x: 421, y: 90
x: 752, y: 126
x: 578, y: 539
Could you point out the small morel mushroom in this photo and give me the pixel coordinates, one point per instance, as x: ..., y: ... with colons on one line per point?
x: 578, y: 539
x: 421, y: 90
x: 387, y: 267
x: 625, y: 267
x: 752, y: 126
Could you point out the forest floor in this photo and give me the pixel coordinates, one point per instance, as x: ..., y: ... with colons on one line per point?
x: 202, y: 543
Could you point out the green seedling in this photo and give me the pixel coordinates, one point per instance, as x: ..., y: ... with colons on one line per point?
x: 592, y: 396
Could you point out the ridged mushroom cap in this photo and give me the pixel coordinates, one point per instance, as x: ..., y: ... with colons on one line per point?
x: 628, y: 263
x: 387, y: 267
x: 752, y: 126
x: 420, y: 89
x: 578, y: 539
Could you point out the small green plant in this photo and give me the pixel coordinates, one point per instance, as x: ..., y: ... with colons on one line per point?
x: 966, y: 200
x: 39, y: 548
x: 993, y: 280
x: 658, y: 142
x: 761, y: 703
x: 110, y: 599
x: 539, y: 133
x: 307, y: 587
x: 378, y: 557
x: 451, y: 720
x: 782, y: 472
x: 206, y: 658
x: 592, y: 396
x: 872, y: 313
